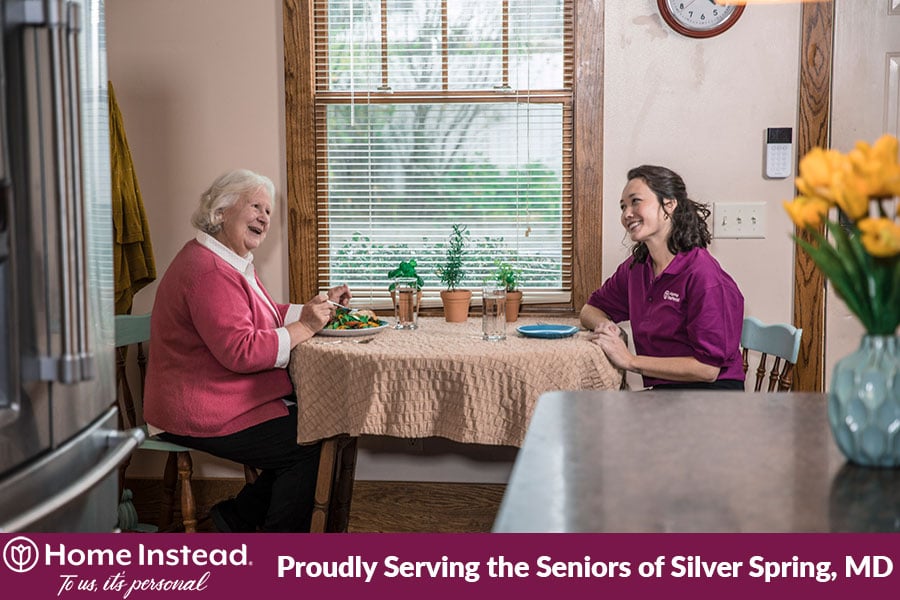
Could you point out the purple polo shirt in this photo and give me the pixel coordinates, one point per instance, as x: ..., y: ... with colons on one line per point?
x: 694, y: 308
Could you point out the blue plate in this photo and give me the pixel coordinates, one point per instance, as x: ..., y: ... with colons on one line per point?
x: 547, y: 331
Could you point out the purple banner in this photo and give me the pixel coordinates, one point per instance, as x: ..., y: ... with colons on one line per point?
x: 135, y: 566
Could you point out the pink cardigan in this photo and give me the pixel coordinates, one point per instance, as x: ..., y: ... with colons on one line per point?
x: 213, y: 348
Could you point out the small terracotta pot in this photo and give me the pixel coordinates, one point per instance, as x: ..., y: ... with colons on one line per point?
x: 456, y: 305
x: 513, y: 302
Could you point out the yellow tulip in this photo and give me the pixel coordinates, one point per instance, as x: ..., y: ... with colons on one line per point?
x: 880, y: 237
x: 876, y: 166
x: 857, y: 182
x: 818, y: 169
x: 886, y: 148
x: 806, y: 210
x: 851, y: 194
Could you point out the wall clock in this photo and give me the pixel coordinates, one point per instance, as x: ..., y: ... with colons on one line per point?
x: 698, y: 18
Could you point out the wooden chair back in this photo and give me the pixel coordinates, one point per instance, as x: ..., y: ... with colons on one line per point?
x: 780, y: 341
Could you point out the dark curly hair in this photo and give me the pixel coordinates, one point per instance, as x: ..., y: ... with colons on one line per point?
x: 689, y: 228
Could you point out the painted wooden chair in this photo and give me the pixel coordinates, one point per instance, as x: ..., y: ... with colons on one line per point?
x: 132, y: 334
x: 779, y: 340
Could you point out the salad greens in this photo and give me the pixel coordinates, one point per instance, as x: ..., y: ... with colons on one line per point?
x: 344, y: 318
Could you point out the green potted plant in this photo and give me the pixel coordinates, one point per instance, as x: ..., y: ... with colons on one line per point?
x: 406, y: 269
x: 451, y: 273
x: 406, y: 293
x: 510, y: 278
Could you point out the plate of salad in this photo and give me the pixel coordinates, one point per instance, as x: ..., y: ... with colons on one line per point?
x: 353, y: 323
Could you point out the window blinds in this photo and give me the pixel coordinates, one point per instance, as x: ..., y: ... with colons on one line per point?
x: 436, y: 112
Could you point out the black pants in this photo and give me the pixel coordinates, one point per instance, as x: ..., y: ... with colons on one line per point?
x: 283, y: 495
x: 721, y: 384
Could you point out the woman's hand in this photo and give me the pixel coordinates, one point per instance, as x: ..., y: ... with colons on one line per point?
x: 340, y: 294
x: 313, y: 317
x: 608, y: 336
x: 316, y: 313
x: 674, y: 368
x: 592, y: 317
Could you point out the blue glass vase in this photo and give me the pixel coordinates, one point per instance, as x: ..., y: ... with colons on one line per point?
x: 864, y: 402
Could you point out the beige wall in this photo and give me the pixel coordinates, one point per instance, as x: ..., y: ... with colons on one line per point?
x: 200, y: 86
x: 700, y: 107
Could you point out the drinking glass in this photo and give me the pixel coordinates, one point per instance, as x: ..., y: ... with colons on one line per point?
x: 493, y: 317
x: 405, y: 296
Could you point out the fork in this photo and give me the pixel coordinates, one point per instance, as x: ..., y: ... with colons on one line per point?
x: 347, y: 308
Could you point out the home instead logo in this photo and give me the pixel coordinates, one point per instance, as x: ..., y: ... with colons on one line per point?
x: 20, y: 554
x: 671, y: 296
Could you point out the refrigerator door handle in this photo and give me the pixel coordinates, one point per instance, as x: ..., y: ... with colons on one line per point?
x: 83, y: 354
x: 61, y: 21
x: 5, y: 210
x: 118, y: 446
x: 5, y: 183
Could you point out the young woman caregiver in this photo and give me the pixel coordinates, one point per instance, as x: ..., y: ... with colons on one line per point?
x: 686, y: 312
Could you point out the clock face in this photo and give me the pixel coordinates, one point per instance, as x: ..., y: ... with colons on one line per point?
x: 698, y: 18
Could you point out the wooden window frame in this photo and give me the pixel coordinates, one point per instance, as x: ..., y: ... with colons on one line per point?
x: 299, y: 83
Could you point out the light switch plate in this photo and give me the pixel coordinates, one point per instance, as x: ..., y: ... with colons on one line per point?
x: 739, y: 220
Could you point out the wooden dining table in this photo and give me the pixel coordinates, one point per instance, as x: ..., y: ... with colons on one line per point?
x: 691, y: 461
x: 439, y: 380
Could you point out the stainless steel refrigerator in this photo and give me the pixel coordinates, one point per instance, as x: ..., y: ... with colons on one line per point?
x: 59, y: 443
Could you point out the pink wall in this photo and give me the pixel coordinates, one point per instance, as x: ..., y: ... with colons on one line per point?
x: 200, y: 86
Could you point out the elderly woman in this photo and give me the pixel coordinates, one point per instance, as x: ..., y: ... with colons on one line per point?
x: 217, y: 378
x: 686, y: 312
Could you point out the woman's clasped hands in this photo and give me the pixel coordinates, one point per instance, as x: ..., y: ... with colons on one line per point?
x: 608, y: 336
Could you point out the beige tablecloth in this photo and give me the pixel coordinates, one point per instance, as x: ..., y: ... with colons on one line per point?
x: 439, y: 380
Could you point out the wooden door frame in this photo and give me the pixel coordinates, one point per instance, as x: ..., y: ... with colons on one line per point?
x: 814, y: 121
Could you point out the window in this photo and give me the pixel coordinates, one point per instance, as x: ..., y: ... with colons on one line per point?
x: 427, y: 113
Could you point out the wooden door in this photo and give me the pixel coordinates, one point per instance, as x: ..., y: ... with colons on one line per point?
x: 865, y: 104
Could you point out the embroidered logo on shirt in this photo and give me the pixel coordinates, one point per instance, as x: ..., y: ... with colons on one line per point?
x: 667, y: 295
